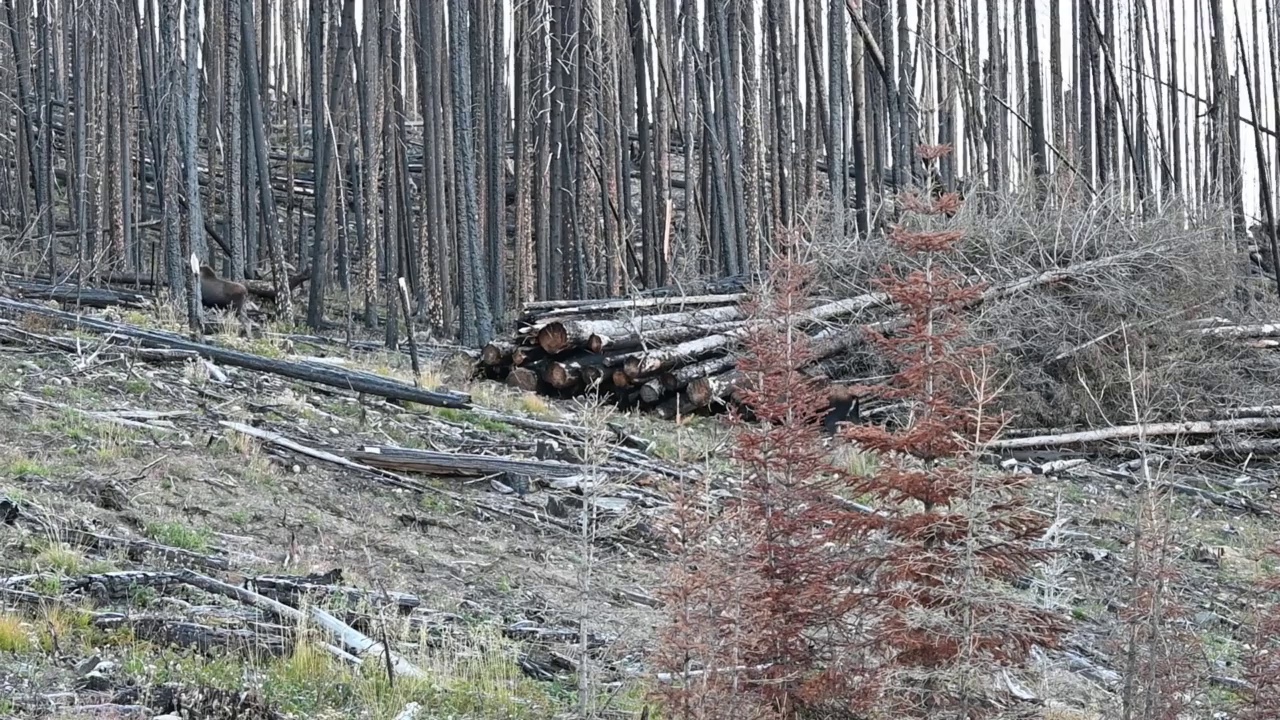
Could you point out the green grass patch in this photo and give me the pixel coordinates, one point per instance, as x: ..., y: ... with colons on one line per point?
x: 26, y: 466
x: 59, y: 557
x: 178, y: 535
x: 49, y: 585
x: 467, y: 417
x: 472, y: 674
x: 65, y: 630
x: 438, y: 504
x: 14, y: 637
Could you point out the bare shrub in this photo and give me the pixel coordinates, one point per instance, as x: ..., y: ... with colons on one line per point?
x: 1158, y: 653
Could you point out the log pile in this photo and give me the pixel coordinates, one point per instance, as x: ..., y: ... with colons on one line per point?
x: 672, y: 354
x: 676, y: 353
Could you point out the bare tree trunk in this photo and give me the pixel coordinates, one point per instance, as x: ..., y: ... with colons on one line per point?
x: 613, y: 148
x: 79, y: 153
x: 783, y: 80
x: 195, y: 244
x: 171, y: 106
x: 1039, y: 149
x: 266, y: 198
x: 648, y: 193
x: 1175, y: 98
x: 369, y: 80
x: 319, y: 165
x: 542, y: 183
x: 47, y: 90
x: 858, y: 146
x: 525, y: 84
x: 495, y: 155
x: 728, y: 107
x: 234, y: 119
x: 996, y: 75
x: 477, y: 322
x: 1085, y: 82
x: 752, y: 177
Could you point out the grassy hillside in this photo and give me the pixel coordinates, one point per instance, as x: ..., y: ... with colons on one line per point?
x: 124, y: 498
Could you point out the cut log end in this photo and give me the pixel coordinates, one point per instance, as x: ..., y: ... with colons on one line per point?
x: 700, y: 391
x: 632, y: 367
x: 673, y: 407
x: 562, y: 375
x: 652, y: 391
x: 525, y: 354
x: 497, y: 352
x: 523, y: 378
x: 553, y: 338
x: 712, y: 389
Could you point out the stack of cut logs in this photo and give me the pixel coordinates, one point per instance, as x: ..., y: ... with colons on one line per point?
x: 674, y: 354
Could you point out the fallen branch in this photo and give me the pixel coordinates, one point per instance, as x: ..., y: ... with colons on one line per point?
x: 1129, y: 432
x: 351, y: 638
x: 434, y: 462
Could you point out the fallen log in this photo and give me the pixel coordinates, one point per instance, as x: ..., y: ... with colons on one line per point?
x: 1227, y: 447
x: 536, y: 518
x: 558, y: 336
x: 666, y: 358
x: 652, y: 391
x: 99, y: 349
x: 681, y: 378
x: 832, y: 341
x: 592, y: 375
x: 650, y: 357
x: 258, y: 288
x: 497, y: 352
x: 708, y: 389
x: 565, y: 374
x: 536, y: 316
x: 523, y: 378
x: 674, y: 406
x: 434, y: 462
x: 293, y: 590
x: 354, y: 381
x: 360, y: 645
x: 1129, y: 432
x: 1263, y: 330
x: 69, y: 294
x: 525, y: 354
x: 602, y: 343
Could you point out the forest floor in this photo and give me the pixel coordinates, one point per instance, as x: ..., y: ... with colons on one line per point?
x: 503, y: 603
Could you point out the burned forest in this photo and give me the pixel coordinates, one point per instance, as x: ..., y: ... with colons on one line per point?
x: 682, y: 359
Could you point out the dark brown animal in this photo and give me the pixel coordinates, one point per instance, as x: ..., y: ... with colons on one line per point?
x: 218, y: 293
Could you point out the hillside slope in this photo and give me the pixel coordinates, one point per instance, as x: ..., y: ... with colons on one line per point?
x: 133, y: 508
